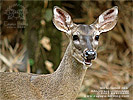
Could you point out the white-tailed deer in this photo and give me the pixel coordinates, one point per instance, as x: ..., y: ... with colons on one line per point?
x: 65, y: 82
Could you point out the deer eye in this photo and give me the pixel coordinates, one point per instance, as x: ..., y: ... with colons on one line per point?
x: 97, y: 37
x: 75, y: 37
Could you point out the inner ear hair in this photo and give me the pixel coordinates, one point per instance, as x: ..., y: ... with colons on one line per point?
x: 62, y: 20
x: 107, y: 20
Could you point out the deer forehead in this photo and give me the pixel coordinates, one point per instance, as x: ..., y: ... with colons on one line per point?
x: 85, y: 30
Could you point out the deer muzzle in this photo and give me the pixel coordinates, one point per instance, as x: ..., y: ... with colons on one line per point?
x: 88, y: 56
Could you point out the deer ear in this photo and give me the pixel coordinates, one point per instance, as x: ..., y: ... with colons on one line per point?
x: 62, y: 20
x: 107, y: 20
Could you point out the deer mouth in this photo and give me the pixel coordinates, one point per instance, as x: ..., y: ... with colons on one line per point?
x: 87, y: 61
x: 89, y: 55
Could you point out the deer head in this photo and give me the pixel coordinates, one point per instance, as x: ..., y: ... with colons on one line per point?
x: 84, y: 38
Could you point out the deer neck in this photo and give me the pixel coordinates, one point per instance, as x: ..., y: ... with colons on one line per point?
x: 70, y: 74
x: 69, y: 66
x: 65, y: 82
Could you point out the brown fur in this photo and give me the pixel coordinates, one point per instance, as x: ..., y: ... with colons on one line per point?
x: 63, y: 84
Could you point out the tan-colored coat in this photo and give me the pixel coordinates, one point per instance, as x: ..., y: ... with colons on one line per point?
x: 63, y: 84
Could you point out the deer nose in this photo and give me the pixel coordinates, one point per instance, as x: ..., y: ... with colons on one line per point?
x: 90, y: 54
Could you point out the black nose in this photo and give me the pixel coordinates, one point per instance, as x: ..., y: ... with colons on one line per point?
x: 90, y: 54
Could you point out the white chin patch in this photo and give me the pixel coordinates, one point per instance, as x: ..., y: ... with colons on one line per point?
x: 86, y: 66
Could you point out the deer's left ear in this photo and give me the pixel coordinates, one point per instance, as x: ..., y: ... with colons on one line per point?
x: 107, y: 20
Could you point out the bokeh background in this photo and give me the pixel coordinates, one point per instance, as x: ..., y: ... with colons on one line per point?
x: 30, y: 42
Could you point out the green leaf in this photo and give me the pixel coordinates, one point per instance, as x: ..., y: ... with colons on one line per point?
x: 92, y: 97
x: 31, y: 61
x: 20, y: 2
x: 48, y: 15
x: 83, y: 98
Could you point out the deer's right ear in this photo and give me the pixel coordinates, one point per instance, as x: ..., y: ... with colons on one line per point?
x: 62, y: 20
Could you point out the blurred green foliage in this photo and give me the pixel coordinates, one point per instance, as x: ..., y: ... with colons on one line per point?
x: 31, y: 61
x: 48, y: 15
